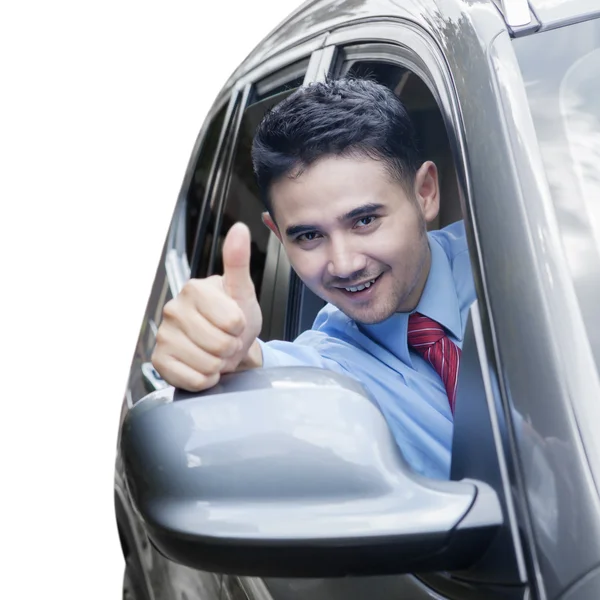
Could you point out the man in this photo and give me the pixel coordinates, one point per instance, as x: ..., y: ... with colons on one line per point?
x: 349, y: 199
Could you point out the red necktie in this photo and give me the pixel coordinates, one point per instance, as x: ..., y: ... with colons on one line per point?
x: 429, y: 339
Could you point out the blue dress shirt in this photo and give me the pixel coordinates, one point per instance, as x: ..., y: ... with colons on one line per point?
x: 409, y: 392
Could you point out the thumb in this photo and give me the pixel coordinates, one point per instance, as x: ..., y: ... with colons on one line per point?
x: 236, y: 263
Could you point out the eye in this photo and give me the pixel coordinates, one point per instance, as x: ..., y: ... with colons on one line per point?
x: 309, y: 236
x: 365, y: 221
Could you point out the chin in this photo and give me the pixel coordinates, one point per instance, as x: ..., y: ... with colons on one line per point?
x: 369, y: 317
x: 372, y: 319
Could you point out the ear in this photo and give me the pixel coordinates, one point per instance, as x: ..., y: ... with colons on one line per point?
x: 427, y: 190
x: 268, y: 221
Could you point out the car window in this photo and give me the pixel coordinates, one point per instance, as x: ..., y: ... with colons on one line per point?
x: 242, y: 198
x: 200, y: 179
x: 357, y: 61
x: 284, y: 80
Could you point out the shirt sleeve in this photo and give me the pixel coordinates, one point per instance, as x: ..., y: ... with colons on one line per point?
x: 305, y: 351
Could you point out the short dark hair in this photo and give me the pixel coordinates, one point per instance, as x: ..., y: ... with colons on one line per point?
x: 341, y: 117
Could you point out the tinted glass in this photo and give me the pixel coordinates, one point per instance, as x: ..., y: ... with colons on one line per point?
x: 285, y: 80
x: 200, y: 179
x: 243, y: 201
x: 561, y: 70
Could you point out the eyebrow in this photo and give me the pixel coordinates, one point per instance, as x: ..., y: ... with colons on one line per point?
x: 355, y: 213
x: 361, y: 211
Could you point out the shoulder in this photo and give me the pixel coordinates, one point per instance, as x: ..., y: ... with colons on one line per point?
x: 452, y: 238
x: 332, y: 333
x: 330, y: 327
x: 331, y: 320
x: 327, y: 344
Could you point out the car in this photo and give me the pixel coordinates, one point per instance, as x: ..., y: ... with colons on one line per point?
x: 285, y: 484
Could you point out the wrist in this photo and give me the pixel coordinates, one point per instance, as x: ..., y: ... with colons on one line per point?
x: 253, y: 359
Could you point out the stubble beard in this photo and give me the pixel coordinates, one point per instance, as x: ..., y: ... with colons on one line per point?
x: 408, y: 292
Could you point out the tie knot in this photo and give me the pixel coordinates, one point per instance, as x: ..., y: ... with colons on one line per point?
x: 423, y: 331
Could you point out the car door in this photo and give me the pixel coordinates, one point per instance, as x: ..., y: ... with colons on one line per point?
x: 409, y: 61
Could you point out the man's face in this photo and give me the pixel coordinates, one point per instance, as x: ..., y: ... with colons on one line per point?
x: 355, y: 236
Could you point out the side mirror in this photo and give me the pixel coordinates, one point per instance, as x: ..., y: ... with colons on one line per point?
x: 293, y: 472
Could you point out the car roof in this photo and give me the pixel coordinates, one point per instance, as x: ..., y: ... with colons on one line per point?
x: 315, y: 18
x: 318, y: 16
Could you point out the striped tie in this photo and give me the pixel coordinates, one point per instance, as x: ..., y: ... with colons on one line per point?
x: 429, y: 339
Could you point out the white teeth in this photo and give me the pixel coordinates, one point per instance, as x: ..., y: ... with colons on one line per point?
x: 360, y: 287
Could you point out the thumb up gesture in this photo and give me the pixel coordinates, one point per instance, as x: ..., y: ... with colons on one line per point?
x: 212, y: 325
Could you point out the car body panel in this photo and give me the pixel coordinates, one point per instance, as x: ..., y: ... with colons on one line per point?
x: 314, y: 18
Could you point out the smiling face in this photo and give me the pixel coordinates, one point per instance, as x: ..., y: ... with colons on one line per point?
x: 355, y: 236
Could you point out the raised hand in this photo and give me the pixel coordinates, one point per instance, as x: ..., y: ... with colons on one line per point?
x: 211, y: 327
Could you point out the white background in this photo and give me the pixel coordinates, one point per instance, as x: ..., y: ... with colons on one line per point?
x: 100, y: 105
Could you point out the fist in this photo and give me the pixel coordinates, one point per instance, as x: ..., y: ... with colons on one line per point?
x: 212, y: 326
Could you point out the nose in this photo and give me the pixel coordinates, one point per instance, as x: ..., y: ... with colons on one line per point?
x: 344, y: 259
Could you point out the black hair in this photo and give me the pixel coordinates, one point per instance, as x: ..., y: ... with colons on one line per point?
x: 341, y: 117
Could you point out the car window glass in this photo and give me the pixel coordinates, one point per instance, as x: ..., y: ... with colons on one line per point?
x: 242, y: 200
x: 200, y: 179
x: 284, y: 80
x: 563, y: 93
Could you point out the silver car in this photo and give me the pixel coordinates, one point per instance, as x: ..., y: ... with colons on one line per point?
x: 285, y: 484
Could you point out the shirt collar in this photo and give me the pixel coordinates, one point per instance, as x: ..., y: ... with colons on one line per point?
x: 438, y: 302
